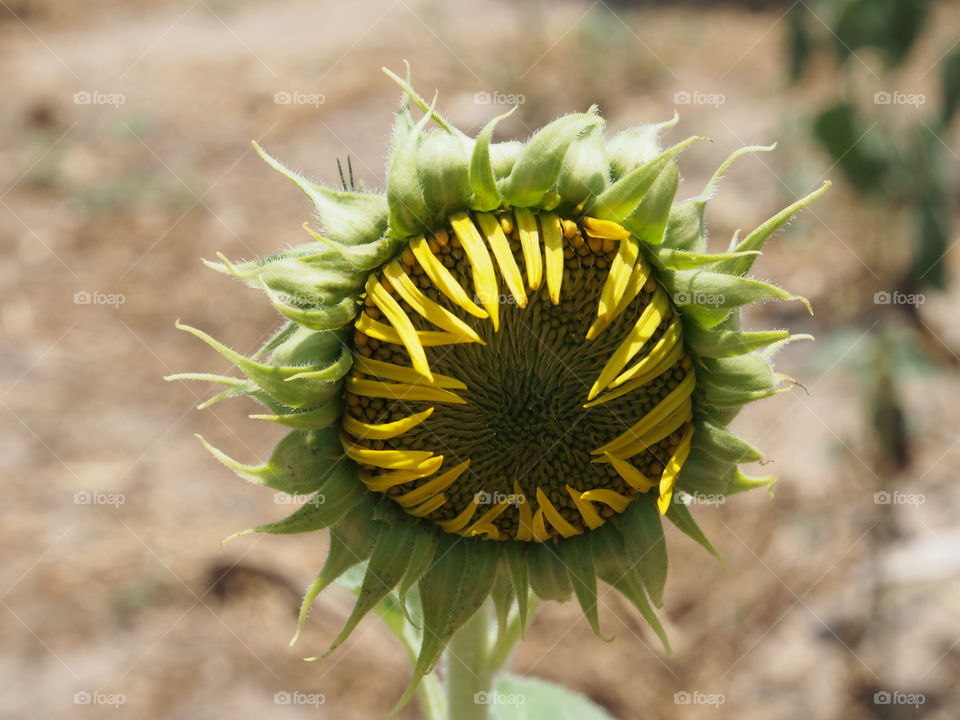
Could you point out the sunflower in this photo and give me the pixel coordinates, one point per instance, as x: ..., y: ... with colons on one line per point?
x: 503, y: 371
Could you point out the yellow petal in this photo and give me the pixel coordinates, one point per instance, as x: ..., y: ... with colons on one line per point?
x: 489, y: 516
x: 461, y: 520
x: 504, y: 255
x: 671, y: 402
x: 437, y: 314
x: 530, y: 243
x: 605, y: 229
x: 383, y: 431
x: 670, y: 473
x: 590, y: 515
x: 540, y: 533
x: 427, y: 338
x: 656, y: 433
x: 403, y: 373
x: 432, y: 486
x: 381, y: 482
x: 645, y: 326
x: 484, y: 278
x: 401, y: 323
x: 429, y: 506
x: 389, y: 459
x: 442, y: 278
x: 401, y: 391
x: 525, y: 526
x: 556, y: 519
x: 638, y: 278
x: 608, y: 497
x: 665, y: 352
x: 553, y: 248
x: 633, y: 477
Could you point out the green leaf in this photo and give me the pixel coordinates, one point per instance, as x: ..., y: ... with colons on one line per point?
x: 424, y: 551
x: 315, y: 419
x: 950, y: 80
x: 686, y: 229
x: 330, y: 317
x: 671, y: 259
x: 520, y: 698
x: 848, y: 141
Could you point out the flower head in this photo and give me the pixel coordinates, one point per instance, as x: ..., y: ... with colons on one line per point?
x: 502, y: 372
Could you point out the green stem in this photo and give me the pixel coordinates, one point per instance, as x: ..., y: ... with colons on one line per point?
x: 469, y: 675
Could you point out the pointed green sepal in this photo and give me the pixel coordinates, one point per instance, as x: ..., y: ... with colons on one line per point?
x: 756, y: 239
x: 483, y: 181
x: 297, y: 464
x: 680, y: 516
x: 548, y: 577
x: 577, y: 557
x: 636, y: 146
x: 351, y: 542
x: 348, y: 218
x: 646, y: 548
x: 537, y: 169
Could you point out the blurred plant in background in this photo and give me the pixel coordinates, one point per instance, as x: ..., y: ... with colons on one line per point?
x: 891, y: 146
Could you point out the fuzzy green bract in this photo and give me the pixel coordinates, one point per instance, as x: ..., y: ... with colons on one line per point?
x: 567, y: 167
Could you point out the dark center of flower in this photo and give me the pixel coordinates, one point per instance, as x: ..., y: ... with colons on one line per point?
x: 515, y: 401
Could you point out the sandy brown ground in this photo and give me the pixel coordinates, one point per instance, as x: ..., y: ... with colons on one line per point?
x: 816, y: 612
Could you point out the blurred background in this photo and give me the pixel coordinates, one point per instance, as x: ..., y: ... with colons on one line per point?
x: 124, y: 133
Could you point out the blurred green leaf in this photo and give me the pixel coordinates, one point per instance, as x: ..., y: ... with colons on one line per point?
x: 800, y: 41
x: 950, y: 77
x: 844, y: 135
x: 932, y: 222
x: 522, y: 698
x: 890, y: 26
